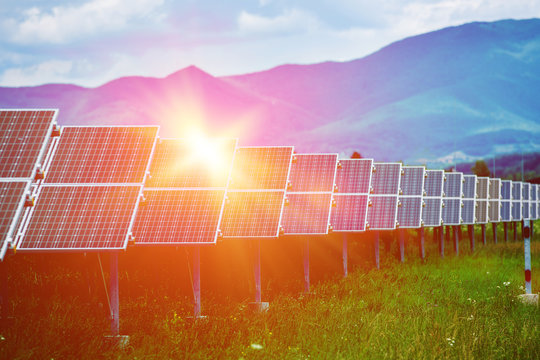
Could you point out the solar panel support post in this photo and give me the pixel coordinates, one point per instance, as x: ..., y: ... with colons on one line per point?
x: 306, y: 265
x: 470, y: 231
x: 456, y: 239
x: 435, y: 235
x: 494, y: 227
x: 515, y: 230
x: 376, y: 248
x: 196, y: 280
x: 257, y: 305
x: 447, y: 233
x: 483, y: 227
x: 4, y: 291
x: 402, y: 245
x: 114, y: 294
x: 345, y: 255
x: 441, y: 241
x: 422, y: 250
x: 527, y: 250
x: 505, y: 227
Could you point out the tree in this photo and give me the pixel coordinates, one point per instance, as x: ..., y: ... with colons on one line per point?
x: 356, y: 155
x: 480, y: 168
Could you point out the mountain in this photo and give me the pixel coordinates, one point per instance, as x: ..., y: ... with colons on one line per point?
x: 459, y: 93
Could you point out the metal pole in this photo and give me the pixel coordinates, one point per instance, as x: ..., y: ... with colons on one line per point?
x: 196, y: 263
x: 456, y: 240
x: 421, y: 243
x: 515, y: 231
x: 4, y: 290
x: 470, y: 230
x: 441, y: 241
x: 505, y: 227
x: 402, y: 245
x: 527, y: 247
x: 114, y: 294
x: 376, y: 246
x: 435, y: 235
x: 345, y: 256
x: 306, y: 266
x: 483, y: 227
x: 494, y: 227
x: 257, y: 268
x: 447, y: 234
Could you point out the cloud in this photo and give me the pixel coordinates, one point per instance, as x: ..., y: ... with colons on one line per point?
x: 45, y: 72
x: 290, y: 21
x: 63, y: 24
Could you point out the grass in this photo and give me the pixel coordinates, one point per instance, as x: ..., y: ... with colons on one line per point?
x: 457, y: 308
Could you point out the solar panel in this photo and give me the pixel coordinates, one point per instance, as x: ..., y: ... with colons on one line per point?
x: 516, y: 211
x: 468, y: 211
x: 71, y: 212
x: 23, y: 140
x: 482, y: 186
x: 386, y: 178
x: 469, y: 186
x: 261, y: 168
x: 451, y: 213
x: 353, y: 179
x: 433, y: 185
x: 382, y: 214
x: 494, y: 197
x: 506, y: 210
x: 525, y: 191
x: 516, y: 190
x: 12, y: 197
x: 432, y: 211
x: 307, y: 213
x: 494, y: 210
x: 533, y: 209
x: 179, y: 163
x: 506, y: 190
x: 495, y: 189
x: 309, y: 197
x: 481, y: 211
x: 534, y: 191
x: 253, y: 214
x: 179, y: 216
x: 533, y: 202
x: 525, y: 195
x: 412, y: 186
x: 354, y: 176
x: 102, y: 155
x: 80, y: 218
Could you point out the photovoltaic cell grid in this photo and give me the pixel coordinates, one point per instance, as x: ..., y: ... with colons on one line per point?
x: 102, y: 155
x: 12, y: 195
x: 506, y: 190
x: 525, y: 194
x: 178, y: 163
x: 80, y: 218
x: 386, y: 178
x: 494, y: 210
x: 481, y: 211
x: 482, y: 186
x: 516, y: 190
x: 433, y: 191
x: 382, y: 214
x: 73, y: 214
x: 469, y: 186
x: 494, y: 203
x: 23, y: 138
x: 494, y: 189
x: 353, y: 182
x: 312, y: 178
x: 433, y: 184
x: 257, y: 192
x: 533, y: 202
x: 506, y: 197
x: 354, y: 176
x: 516, y: 211
x: 261, y: 168
x: 451, y: 212
x: 468, y: 211
x: 412, y: 185
x: 506, y: 210
x: 177, y: 216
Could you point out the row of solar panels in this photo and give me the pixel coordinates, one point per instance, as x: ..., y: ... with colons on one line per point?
x: 101, y: 187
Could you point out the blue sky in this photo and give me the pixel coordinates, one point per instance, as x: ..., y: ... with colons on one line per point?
x: 90, y: 42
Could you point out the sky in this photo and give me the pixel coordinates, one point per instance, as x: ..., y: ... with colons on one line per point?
x: 90, y: 42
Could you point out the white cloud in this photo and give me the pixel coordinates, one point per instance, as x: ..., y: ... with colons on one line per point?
x: 46, y: 72
x: 63, y: 24
x: 290, y: 21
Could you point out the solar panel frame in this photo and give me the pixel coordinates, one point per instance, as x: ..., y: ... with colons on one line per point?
x: 312, y: 178
x: 469, y: 186
x: 516, y: 211
x: 412, y: 181
x: 382, y: 205
x: 506, y: 190
x: 434, y: 183
x: 468, y: 211
x: 482, y: 188
x: 494, y: 189
x: 516, y: 190
x: 525, y: 195
x: 412, y: 187
x: 494, y: 207
x: 386, y: 178
x: 354, y: 176
x: 506, y: 210
x: 481, y: 211
x: 46, y: 136
x: 453, y: 191
x: 433, y: 192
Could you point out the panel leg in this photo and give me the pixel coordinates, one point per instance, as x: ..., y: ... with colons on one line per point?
x: 515, y: 231
x: 4, y: 291
x: 505, y: 227
x: 376, y: 248
x: 422, y: 250
x: 306, y: 265
x: 196, y: 280
x: 435, y: 235
x: 470, y: 231
x: 257, y: 268
x: 494, y: 227
x: 345, y: 256
x: 456, y: 240
x: 447, y: 234
x: 483, y: 227
x: 402, y: 245
x: 114, y: 295
x: 441, y: 241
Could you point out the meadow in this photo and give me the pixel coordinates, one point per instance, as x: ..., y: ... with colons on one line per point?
x: 458, y: 307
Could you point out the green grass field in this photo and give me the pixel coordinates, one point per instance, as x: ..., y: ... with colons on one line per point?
x: 458, y: 307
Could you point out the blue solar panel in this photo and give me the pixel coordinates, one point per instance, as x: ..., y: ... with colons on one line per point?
x: 534, y: 191
x: 506, y: 214
x: 354, y: 176
x: 532, y: 211
x: 350, y: 212
x: 431, y: 212
x: 516, y: 190
x: 467, y: 212
x: 525, y: 210
x: 453, y: 184
x: 451, y: 211
x: 525, y: 191
x: 433, y: 184
x: 386, y: 178
x: 410, y: 211
x: 469, y: 186
x: 412, y: 181
x: 516, y: 211
x: 382, y: 214
x: 506, y: 190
